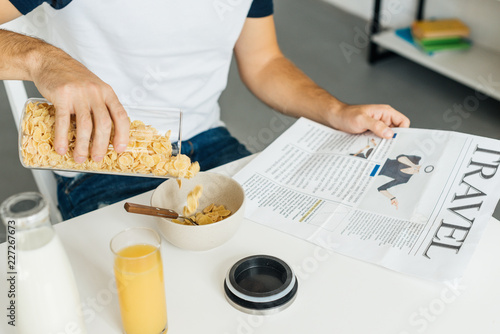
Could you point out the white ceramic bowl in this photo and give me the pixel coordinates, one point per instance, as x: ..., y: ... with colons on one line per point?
x: 218, y: 189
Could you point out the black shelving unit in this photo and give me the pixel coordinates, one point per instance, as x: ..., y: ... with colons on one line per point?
x: 374, y: 52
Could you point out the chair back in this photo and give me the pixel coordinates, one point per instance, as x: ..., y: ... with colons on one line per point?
x: 16, y: 94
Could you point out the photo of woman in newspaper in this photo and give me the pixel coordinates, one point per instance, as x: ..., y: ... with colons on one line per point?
x: 400, y: 170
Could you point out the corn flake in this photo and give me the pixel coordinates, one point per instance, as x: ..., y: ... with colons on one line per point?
x: 192, y: 200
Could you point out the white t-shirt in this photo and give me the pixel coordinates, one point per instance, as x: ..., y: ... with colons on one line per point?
x: 154, y: 54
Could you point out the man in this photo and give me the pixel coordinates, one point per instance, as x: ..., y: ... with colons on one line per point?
x: 177, y: 54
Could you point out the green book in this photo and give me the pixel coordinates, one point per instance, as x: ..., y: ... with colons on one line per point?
x: 461, y: 44
x: 440, y: 41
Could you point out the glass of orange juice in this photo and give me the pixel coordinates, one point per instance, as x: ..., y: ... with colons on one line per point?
x: 139, y: 280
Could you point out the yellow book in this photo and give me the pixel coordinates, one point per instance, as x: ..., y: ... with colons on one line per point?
x: 439, y: 28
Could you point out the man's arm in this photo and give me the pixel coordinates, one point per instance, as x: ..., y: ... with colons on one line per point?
x: 69, y: 85
x: 280, y: 84
x: 8, y: 12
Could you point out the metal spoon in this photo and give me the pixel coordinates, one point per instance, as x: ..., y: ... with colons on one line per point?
x: 154, y: 211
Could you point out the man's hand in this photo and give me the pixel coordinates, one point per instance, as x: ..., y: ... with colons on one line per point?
x: 378, y: 118
x: 73, y: 89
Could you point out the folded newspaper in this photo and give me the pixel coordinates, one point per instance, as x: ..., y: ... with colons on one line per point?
x: 417, y: 203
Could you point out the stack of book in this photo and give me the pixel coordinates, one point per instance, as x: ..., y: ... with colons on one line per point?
x: 439, y: 35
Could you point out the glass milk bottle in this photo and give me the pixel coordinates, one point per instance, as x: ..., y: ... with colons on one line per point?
x: 47, y: 299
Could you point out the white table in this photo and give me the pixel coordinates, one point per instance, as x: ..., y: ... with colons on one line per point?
x: 337, y: 294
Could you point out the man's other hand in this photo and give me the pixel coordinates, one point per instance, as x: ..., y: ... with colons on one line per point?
x: 378, y: 118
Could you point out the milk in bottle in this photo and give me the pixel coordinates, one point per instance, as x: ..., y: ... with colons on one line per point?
x: 47, y: 296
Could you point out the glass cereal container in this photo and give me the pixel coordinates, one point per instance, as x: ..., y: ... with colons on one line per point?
x: 149, y: 151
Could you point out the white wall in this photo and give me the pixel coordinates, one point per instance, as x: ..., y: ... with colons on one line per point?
x: 482, y: 16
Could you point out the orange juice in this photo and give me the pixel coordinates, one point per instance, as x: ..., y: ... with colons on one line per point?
x: 139, y: 279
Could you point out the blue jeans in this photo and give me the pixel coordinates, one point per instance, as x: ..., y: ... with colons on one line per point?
x: 89, y: 191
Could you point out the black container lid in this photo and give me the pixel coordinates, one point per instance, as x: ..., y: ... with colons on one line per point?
x: 260, y: 284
